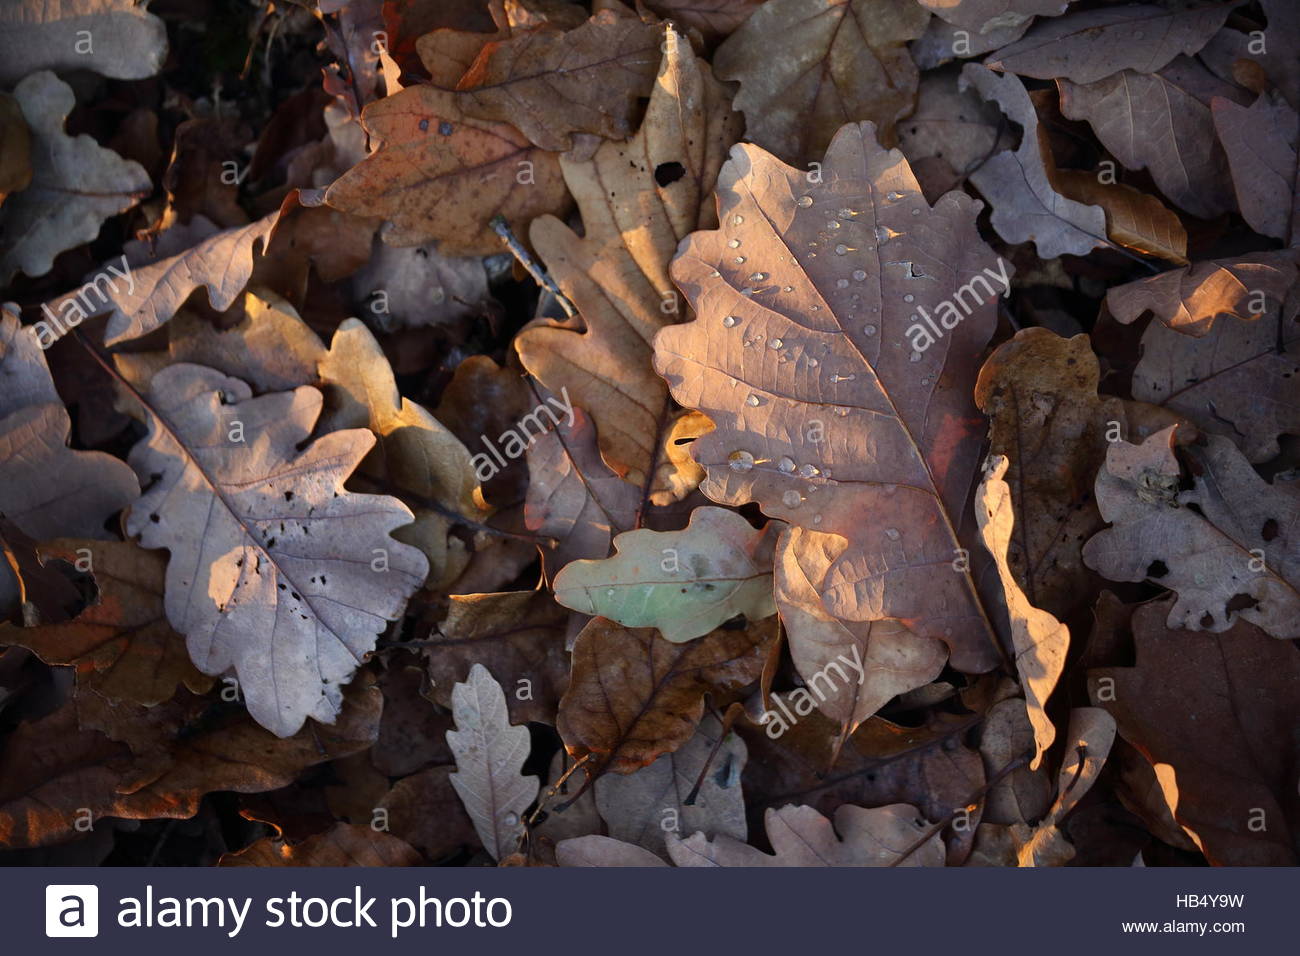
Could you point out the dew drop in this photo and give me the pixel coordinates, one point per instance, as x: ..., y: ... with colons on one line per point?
x: 609, y: 592
x: 753, y: 401
x: 892, y: 534
x: 715, y: 274
x: 866, y: 329
x: 841, y: 283
x: 786, y: 464
x: 792, y: 499
x: 734, y: 243
x: 787, y: 288
x: 804, y: 202
x: 511, y: 819
x: 841, y: 249
x: 740, y: 461
x: 835, y: 379
x: 914, y: 357
x: 859, y: 274
x: 832, y: 224
x: 775, y: 343
x: 909, y: 298
x: 847, y: 213
x: 817, y: 519
x: 757, y: 276
x: 841, y: 411
x: 916, y: 212
x: 812, y: 362
x: 894, y: 196
x: 882, y: 235
x: 729, y: 321
x: 739, y: 259
x: 808, y: 471
x: 737, y: 220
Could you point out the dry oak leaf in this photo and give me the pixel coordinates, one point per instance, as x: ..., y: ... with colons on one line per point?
x: 76, y: 184
x: 1261, y: 142
x: 595, y: 850
x: 685, y: 583
x: 807, y: 67
x: 1161, y: 122
x: 1228, y: 545
x: 121, y: 645
x: 573, y: 497
x: 424, y: 810
x: 1239, y: 380
x: 985, y: 16
x: 1133, y: 218
x: 344, y: 844
x: 715, y: 19
x: 490, y: 754
x: 415, y: 457
x: 46, y: 488
x: 1216, y: 714
x: 1040, y: 393
x: 1021, y: 184
x: 1040, y: 641
x: 222, y: 263
x: 1188, y: 300
x: 636, y: 805
x: 515, y: 633
x: 1089, y: 45
x: 439, y: 174
x: 638, y: 200
x: 251, y: 587
x: 634, y: 697
x: 553, y: 84
x: 835, y: 408
x: 116, y: 38
x: 893, y: 835
x: 78, y: 758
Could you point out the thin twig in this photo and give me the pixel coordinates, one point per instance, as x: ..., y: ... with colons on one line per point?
x: 525, y: 259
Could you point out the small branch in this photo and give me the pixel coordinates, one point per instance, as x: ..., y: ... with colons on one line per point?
x: 525, y: 259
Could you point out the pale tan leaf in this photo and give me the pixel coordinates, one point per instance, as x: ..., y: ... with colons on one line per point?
x: 490, y: 754
x: 597, y: 850
x: 76, y: 184
x: 894, y: 835
x: 117, y: 38
x: 275, y: 570
x: 1040, y: 640
x: 616, y: 273
x: 1133, y: 218
x: 1230, y: 557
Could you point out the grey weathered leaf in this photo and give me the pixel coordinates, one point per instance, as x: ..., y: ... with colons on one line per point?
x: 489, y: 756
x: 114, y: 37
x: 76, y: 184
x: 1261, y: 141
x: 276, y: 571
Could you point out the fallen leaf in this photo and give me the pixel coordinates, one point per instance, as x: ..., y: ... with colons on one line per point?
x: 1089, y: 45
x: 715, y: 19
x: 871, y: 435
x: 1261, y: 141
x: 1185, y: 158
x: 553, y: 84
x: 685, y: 583
x: 1188, y: 300
x: 596, y: 850
x: 634, y: 697
x: 951, y: 132
x: 515, y: 632
x: 1021, y: 186
x: 807, y: 67
x: 75, y: 184
x: 638, y: 201
x: 117, y: 38
x: 439, y: 174
x: 415, y: 457
x: 1237, y: 380
x: 121, y: 645
x: 1220, y: 710
x: 1040, y: 641
x: 643, y: 807
x: 490, y: 753
x: 222, y: 263
x: 1133, y: 218
x: 247, y: 583
x: 345, y: 844
x: 15, y: 148
x: 424, y: 810
x: 984, y: 16
x: 895, y: 835
x: 1228, y: 557
x: 46, y: 488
